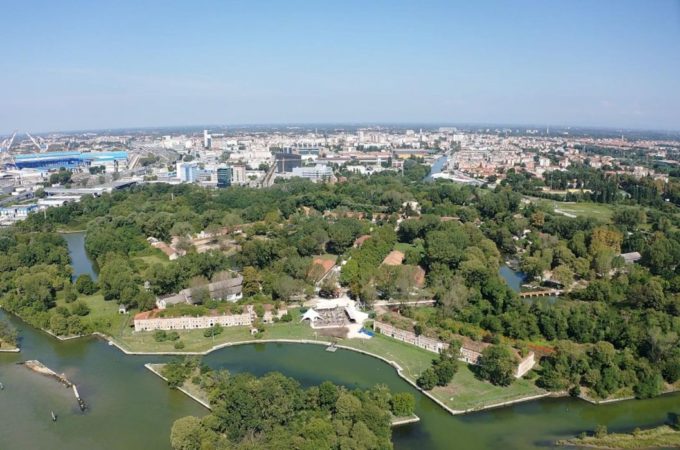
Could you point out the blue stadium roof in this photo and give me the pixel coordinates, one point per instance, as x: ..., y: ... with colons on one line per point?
x: 53, y: 160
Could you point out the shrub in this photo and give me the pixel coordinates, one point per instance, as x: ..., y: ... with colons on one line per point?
x: 173, y: 336
x: 428, y: 379
x: 287, y: 318
x: 85, y: 285
x: 69, y: 295
x: 160, y: 335
x: 179, y: 345
x: 213, y: 331
x: 79, y: 308
x: 403, y: 404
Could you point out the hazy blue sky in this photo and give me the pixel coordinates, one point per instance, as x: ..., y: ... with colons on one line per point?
x: 106, y: 64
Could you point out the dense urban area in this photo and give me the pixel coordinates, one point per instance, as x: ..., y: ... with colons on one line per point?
x: 487, y: 265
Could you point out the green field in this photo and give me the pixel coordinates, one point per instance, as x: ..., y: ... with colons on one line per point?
x: 468, y: 392
x: 103, y: 316
x: 600, y: 211
x: 154, y: 259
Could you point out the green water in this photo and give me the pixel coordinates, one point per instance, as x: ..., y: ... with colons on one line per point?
x: 130, y: 408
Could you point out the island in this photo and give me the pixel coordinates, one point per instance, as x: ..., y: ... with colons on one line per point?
x: 323, y: 416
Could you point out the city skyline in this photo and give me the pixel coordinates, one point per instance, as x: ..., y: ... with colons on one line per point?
x: 604, y: 65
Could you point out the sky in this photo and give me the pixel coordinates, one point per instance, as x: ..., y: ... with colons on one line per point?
x: 69, y: 65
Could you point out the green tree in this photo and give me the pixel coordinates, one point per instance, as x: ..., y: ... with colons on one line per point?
x: 186, y: 434
x: 403, y: 404
x: 79, y: 308
x: 8, y: 333
x: 498, y: 365
x: 251, y: 281
x: 428, y: 379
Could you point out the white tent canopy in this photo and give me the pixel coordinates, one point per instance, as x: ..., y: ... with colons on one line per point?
x: 311, y: 315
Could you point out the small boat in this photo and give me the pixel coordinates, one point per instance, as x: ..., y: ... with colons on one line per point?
x: 2, y: 387
x: 54, y: 416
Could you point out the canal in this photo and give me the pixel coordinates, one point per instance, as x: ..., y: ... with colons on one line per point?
x: 130, y: 408
x: 80, y: 262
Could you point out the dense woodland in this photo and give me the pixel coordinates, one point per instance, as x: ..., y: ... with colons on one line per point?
x: 318, y: 417
x: 615, y: 332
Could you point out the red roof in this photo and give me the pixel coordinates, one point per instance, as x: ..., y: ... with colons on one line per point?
x: 361, y: 239
x: 325, y: 263
x: 394, y: 258
x: 145, y: 314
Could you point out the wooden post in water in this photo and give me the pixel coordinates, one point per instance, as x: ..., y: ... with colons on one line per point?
x: 81, y: 403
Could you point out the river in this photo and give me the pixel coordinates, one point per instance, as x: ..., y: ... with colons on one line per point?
x: 437, y: 167
x: 130, y: 408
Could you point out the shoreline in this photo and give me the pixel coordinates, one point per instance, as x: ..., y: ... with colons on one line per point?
x: 10, y: 350
x: 150, y: 367
x: 113, y: 342
x: 396, y: 366
x: 394, y: 423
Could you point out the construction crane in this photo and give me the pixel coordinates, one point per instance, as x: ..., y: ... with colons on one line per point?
x: 40, y: 149
x: 9, y: 142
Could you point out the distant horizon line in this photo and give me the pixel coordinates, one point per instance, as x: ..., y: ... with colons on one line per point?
x: 368, y: 124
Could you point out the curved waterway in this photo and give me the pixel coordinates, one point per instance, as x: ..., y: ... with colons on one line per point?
x: 130, y: 408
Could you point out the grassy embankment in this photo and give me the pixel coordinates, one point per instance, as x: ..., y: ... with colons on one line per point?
x: 659, y: 437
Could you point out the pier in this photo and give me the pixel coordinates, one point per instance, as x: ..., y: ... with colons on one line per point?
x: 40, y: 368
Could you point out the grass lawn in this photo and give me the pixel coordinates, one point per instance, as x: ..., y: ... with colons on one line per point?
x: 153, y: 259
x: 598, y: 211
x: 663, y: 436
x: 103, y: 314
x: 413, y: 360
x: 468, y: 392
x: 194, y: 341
